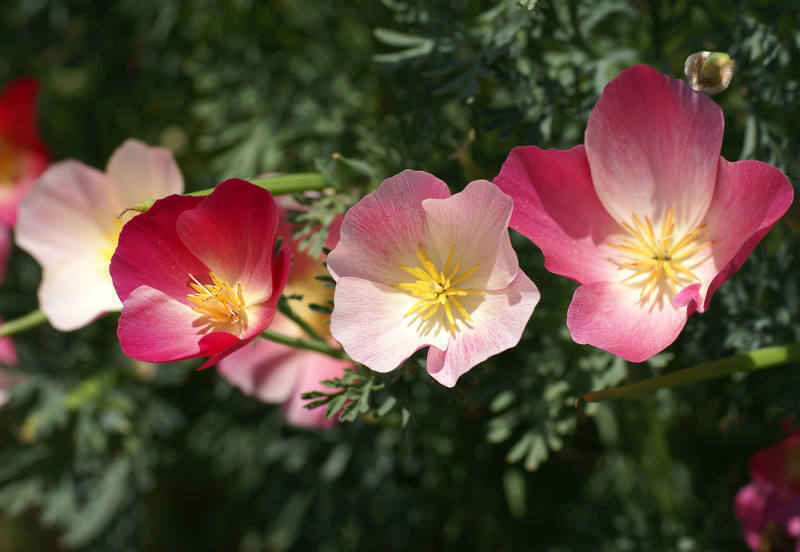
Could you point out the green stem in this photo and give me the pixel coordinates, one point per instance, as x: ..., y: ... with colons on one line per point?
x: 752, y: 361
x: 283, y: 306
x: 310, y: 345
x: 23, y: 323
x: 276, y: 185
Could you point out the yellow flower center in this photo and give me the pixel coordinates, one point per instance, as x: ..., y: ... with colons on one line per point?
x: 9, y: 163
x: 437, y: 288
x: 112, y: 238
x: 661, y: 260
x: 218, y: 302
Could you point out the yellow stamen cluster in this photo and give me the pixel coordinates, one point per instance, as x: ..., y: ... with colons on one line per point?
x: 218, y: 302
x: 659, y: 258
x: 436, y: 288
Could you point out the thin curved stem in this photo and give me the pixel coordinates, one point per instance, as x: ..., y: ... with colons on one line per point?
x: 285, y: 308
x: 23, y: 323
x: 310, y: 345
x: 752, y: 361
x: 276, y: 185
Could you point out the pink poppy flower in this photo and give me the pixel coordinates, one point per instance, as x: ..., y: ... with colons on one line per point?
x: 279, y: 374
x: 69, y: 222
x: 23, y: 155
x: 769, y: 507
x: 647, y: 216
x: 198, y: 276
x: 416, y: 266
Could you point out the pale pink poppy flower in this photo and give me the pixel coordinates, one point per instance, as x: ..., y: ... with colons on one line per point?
x: 647, y: 216
x: 279, y: 374
x: 69, y: 222
x: 769, y: 507
x: 199, y: 276
x: 416, y: 266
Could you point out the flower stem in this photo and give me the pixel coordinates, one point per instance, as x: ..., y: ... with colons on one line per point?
x: 283, y: 306
x: 276, y: 185
x: 23, y: 323
x: 308, y: 344
x: 752, y: 361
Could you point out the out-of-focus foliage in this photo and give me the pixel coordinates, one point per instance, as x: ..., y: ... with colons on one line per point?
x: 100, y: 453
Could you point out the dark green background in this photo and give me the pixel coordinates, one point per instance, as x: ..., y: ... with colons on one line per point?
x: 97, y: 454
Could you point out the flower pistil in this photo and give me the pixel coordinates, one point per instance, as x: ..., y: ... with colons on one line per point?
x: 436, y: 288
x: 218, y: 302
x: 657, y: 259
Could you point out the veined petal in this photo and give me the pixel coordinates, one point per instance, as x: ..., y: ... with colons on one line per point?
x: 150, y: 252
x: 384, y: 228
x: 138, y: 172
x: 556, y: 207
x: 749, y: 198
x: 67, y: 215
x: 609, y: 315
x: 475, y: 221
x: 73, y: 294
x: 653, y: 143
x: 498, y: 323
x: 368, y: 320
x: 233, y: 232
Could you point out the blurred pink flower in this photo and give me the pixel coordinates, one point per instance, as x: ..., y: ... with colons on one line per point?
x: 23, y: 155
x: 279, y: 374
x: 416, y: 266
x: 8, y: 358
x: 769, y: 507
x: 198, y: 276
x: 69, y: 222
x: 647, y: 216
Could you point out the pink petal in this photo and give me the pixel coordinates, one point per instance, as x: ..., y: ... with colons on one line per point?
x: 653, y: 143
x: 73, y: 294
x: 5, y: 249
x: 154, y: 327
x: 556, y: 207
x: 480, y: 237
x: 67, y: 215
x: 385, y: 228
x: 139, y: 172
x: 18, y: 114
x: 609, y: 315
x: 233, y: 232
x: 368, y: 321
x: 264, y: 369
x: 8, y: 357
x: 32, y: 164
x: 150, y: 253
x: 498, y: 323
x: 316, y: 367
x: 749, y: 199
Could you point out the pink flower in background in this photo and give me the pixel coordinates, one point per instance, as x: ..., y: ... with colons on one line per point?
x: 647, y: 216
x: 69, y: 222
x: 23, y: 155
x: 416, y: 266
x: 279, y: 374
x: 769, y: 507
x: 8, y: 358
x: 198, y: 276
